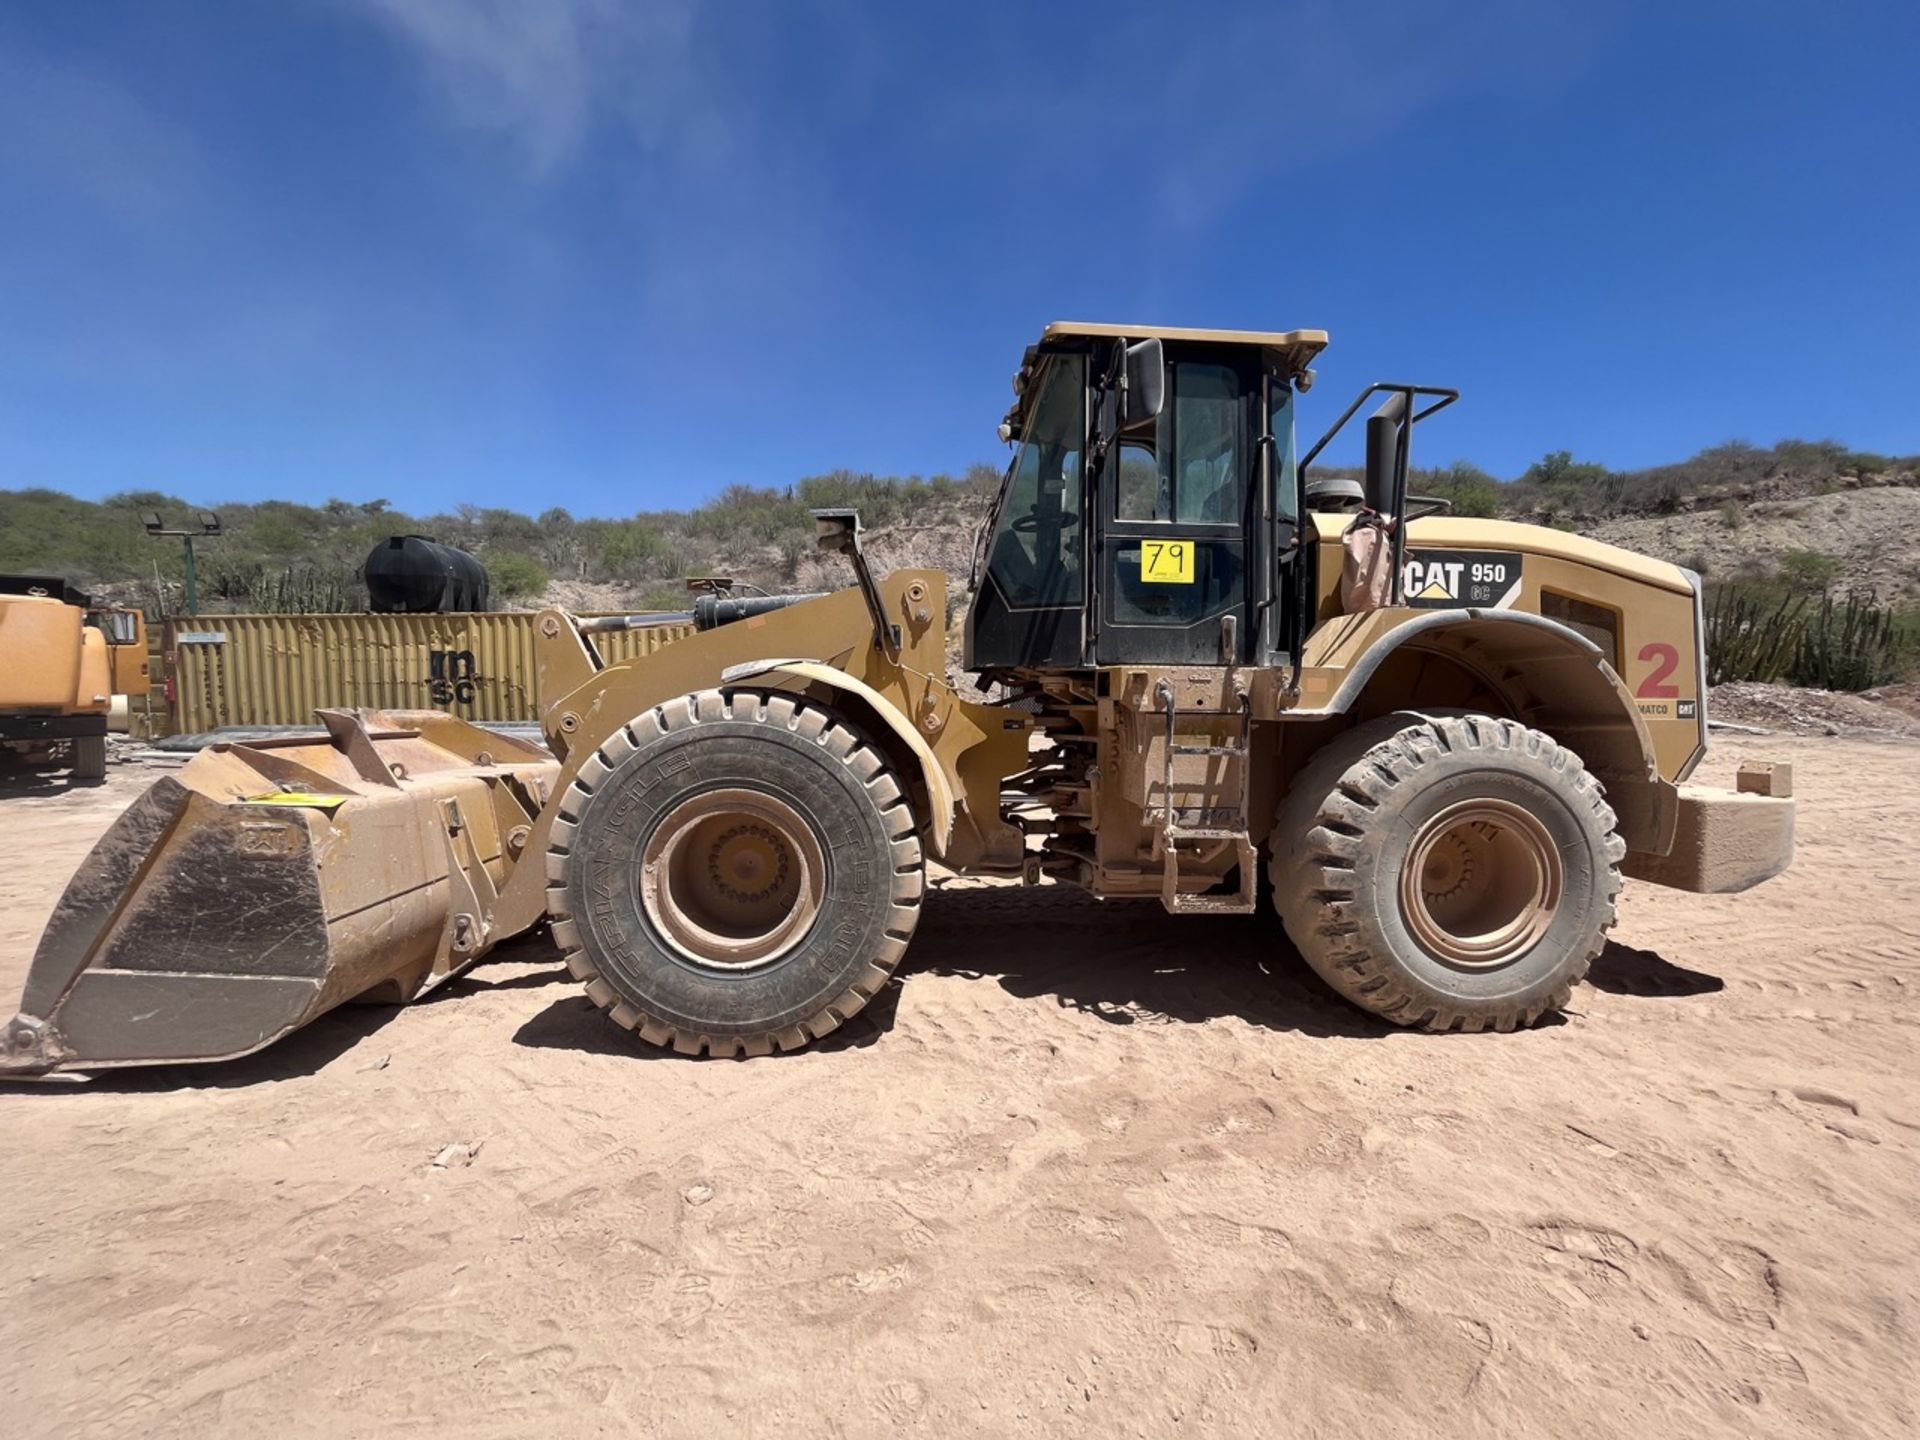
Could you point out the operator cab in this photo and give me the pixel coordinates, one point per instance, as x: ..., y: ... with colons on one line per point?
x: 1150, y: 511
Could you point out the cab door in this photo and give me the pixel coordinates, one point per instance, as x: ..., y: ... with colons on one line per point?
x: 126, y: 632
x: 1175, y: 501
x: 1030, y: 609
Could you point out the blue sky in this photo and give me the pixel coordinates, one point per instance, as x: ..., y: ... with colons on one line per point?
x: 619, y: 255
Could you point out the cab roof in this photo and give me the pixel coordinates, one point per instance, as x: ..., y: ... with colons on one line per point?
x: 1297, y: 349
x: 1301, y: 345
x: 53, y: 587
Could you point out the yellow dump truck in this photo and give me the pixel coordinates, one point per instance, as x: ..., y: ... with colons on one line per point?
x: 62, y: 660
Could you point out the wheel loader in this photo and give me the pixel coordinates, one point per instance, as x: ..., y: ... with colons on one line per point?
x: 1219, y: 680
x: 63, y: 660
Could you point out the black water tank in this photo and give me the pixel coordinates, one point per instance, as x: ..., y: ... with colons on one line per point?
x: 412, y: 575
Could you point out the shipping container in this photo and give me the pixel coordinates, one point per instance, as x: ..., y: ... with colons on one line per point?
x: 279, y: 669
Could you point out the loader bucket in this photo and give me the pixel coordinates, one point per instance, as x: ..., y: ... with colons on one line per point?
x: 267, y: 882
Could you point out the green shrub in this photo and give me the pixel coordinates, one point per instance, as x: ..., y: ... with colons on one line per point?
x: 623, y: 549
x: 514, y: 576
x: 1466, y: 487
x: 1556, y: 483
x: 1585, y: 488
x: 1558, y: 470
x: 1808, y: 572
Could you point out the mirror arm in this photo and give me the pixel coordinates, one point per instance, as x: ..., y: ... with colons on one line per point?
x: 1107, y: 426
x: 839, y: 530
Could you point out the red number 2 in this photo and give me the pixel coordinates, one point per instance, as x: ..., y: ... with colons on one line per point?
x: 1665, y: 659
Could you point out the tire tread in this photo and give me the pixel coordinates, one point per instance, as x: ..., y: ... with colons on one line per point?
x: 809, y: 721
x: 1322, y: 822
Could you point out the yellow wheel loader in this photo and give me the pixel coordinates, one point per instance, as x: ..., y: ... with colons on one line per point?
x: 63, y: 659
x: 1441, y: 742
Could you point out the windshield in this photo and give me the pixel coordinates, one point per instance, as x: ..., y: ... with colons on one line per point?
x: 1034, y: 556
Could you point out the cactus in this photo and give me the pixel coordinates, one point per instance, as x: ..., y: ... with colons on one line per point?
x: 1758, y: 633
x: 1751, y: 635
x: 1851, y: 645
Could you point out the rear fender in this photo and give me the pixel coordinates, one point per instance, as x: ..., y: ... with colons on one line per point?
x: 1548, y: 676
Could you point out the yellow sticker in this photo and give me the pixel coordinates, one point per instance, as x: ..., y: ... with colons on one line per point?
x: 1166, y: 562
x: 302, y: 798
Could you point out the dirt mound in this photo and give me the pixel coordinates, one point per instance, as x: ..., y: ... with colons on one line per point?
x: 940, y: 537
x: 1904, y: 698
x: 942, y: 542
x: 1872, y: 534
x: 1894, y: 710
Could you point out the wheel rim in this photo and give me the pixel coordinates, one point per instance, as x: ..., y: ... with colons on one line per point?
x: 733, y: 879
x: 1482, y: 883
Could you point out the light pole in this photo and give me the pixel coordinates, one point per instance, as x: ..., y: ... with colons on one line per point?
x: 209, y: 524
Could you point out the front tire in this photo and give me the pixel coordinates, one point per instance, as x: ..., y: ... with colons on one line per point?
x: 90, y: 758
x: 734, y: 872
x: 1447, y: 872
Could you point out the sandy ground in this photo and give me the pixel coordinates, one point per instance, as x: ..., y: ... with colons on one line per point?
x: 1085, y: 1171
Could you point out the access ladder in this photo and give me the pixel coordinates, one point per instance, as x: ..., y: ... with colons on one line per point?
x: 1207, y: 825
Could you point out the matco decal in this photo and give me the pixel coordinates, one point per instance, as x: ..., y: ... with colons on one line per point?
x: 1449, y: 579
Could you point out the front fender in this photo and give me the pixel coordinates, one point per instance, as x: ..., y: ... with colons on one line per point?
x: 933, y: 775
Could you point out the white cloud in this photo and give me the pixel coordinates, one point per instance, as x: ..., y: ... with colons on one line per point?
x: 678, y: 116
x: 544, y: 73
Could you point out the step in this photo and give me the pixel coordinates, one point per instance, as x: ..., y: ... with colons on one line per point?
x: 1205, y: 832
x: 1209, y: 749
x: 1212, y: 905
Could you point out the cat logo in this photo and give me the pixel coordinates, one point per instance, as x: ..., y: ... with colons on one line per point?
x: 1441, y: 579
x: 1446, y: 579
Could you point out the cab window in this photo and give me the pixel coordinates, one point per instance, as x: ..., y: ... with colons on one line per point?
x: 1280, y: 426
x: 1036, y: 555
x: 119, y: 626
x: 1189, y: 467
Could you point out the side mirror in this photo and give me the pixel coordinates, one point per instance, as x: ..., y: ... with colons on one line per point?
x: 1383, y: 455
x: 836, y: 531
x: 1143, y: 383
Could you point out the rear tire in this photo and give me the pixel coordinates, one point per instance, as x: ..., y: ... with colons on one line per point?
x: 89, y: 758
x: 1447, y: 871
x: 734, y: 872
